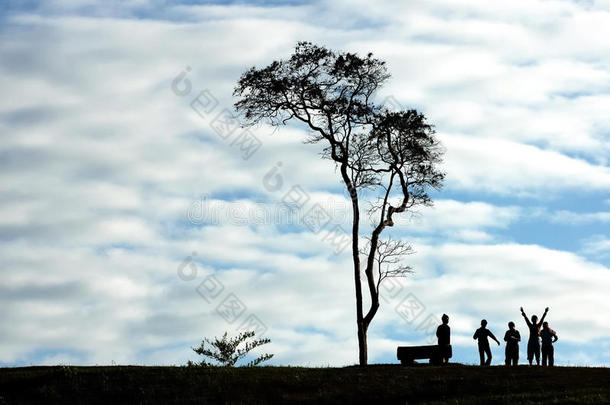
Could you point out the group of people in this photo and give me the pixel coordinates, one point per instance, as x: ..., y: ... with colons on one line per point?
x: 512, y: 339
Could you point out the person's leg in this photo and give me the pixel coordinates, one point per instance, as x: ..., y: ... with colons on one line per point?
x: 544, y: 355
x: 488, y: 352
x: 481, y: 355
x: 551, y: 356
x: 445, y: 351
x: 530, y: 351
x: 537, y: 352
x: 514, y: 356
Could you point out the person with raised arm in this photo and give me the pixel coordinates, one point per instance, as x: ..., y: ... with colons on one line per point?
x: 482, y: 334
x: 533, y: 344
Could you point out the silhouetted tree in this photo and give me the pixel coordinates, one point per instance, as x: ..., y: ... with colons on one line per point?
x: 374, y: 148
x: 226, y: 352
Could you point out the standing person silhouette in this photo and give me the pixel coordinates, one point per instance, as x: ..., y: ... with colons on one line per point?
x: 549, y: 337
x: 482, y: 334
x: 443, y: 333
x: 533, y: 344
x: 512, y: 337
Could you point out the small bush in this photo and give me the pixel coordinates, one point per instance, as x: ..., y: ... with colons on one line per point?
x: 226, y: 353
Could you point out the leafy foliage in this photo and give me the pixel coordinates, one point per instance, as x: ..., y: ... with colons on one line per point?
x: 226, y: 353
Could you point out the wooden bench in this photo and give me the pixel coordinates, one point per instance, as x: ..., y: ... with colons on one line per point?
x: 407, y: 354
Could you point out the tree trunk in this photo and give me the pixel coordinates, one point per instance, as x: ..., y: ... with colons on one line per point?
x: 362, y: 348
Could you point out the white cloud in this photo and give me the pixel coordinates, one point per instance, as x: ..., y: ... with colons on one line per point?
x: 597, y: 246
x: 451, y: 215
x: 573, y: 218
x: 505, y: 167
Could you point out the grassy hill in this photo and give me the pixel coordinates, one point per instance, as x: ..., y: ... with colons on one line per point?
x: 392, y: 384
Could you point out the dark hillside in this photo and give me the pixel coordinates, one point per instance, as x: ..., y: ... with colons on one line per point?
x: 395, y: 384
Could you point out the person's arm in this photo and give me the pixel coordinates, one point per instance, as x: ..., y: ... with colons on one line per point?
x: 555, y: 336
x: 546, y: 310
x: 476, y: 333
x: 491, y: 335
x: 438, y: 330
x: 527, y: 321
x: 507, y: 336
x: 518, y: 338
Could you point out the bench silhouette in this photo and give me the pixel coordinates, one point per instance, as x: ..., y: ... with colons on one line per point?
x: 407, y: 354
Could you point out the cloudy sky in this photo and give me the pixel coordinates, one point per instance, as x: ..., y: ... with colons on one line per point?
x: 115, y: 170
